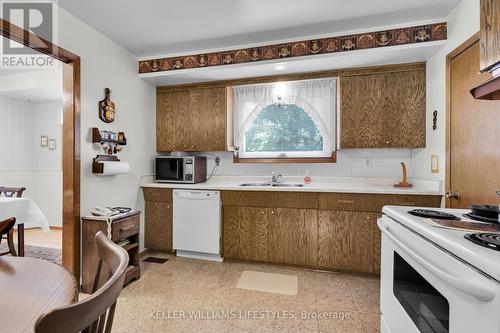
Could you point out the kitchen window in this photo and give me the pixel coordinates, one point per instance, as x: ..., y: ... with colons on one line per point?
x: 285, y: 121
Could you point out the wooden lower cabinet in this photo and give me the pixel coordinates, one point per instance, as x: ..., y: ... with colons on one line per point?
x: 158, y: 219
x: 345, y: 241
x: 336, y: 240
x: 279, y: 235
x: 246, y: 233
x: 158, y: 229
x: 332, y: 231
x: 293, y: 236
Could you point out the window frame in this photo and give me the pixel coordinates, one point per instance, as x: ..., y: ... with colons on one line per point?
x: 288, y: 159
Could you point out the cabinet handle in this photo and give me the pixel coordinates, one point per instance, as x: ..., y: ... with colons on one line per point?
x: 387, y: 142
x: 368, y: 217
x: 168, y: 206
x: 345, y: 201
x: 272, y: 212
x: 184, y: 146
x: 262, y: 212
x: 192, y: 146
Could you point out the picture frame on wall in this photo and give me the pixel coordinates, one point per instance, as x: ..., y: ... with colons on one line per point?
x: 52, y: 144
x: 44, y: 141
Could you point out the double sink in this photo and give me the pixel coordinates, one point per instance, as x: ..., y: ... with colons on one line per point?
x: 272, y: 184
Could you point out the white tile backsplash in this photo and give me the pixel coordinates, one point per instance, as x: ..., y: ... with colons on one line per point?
x: 350, y: 163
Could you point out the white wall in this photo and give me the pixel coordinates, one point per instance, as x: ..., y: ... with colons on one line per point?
x: 463, y: 22
x: 24, y: 163
x: 106, y: 64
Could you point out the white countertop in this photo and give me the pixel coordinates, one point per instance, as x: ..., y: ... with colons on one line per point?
x: 453, y: 241
x: 318, y: 184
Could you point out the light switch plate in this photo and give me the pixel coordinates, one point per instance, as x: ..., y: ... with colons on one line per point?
x: 435, y: 164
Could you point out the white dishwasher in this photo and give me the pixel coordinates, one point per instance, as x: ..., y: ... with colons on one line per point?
x: 197, y: 224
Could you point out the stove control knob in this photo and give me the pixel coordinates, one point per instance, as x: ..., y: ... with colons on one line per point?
x: 452, y: 195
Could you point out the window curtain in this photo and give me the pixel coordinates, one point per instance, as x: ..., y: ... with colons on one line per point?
x: 316, y: 97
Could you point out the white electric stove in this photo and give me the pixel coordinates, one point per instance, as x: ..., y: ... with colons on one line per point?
x: 434, y: 279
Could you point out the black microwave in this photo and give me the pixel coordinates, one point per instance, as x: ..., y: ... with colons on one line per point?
x: 180, y: 169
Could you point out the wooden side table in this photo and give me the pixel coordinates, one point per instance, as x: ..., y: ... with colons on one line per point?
x: 124, y: 231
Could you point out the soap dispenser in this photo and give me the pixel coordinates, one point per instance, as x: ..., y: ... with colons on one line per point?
x: 307, y: 179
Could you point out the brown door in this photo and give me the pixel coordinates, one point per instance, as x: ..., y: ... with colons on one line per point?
x: 474, y: 146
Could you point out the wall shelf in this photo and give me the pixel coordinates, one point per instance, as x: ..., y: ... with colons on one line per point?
x: 97, y: 138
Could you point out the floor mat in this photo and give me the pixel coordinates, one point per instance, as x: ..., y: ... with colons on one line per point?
x: 156, y: 260
x: 268, y: 282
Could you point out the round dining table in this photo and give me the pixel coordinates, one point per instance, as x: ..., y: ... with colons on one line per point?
x: 29, y: 288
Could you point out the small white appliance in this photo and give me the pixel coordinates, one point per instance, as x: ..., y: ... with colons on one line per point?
x: 435, y: 279
x: 197, y: 224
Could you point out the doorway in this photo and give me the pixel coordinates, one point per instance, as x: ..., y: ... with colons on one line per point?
x: 70, y: 138
x: 473, y: 132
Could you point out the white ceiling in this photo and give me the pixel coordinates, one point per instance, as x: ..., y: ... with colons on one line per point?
x: 167, y: 27
x: 35, y: 86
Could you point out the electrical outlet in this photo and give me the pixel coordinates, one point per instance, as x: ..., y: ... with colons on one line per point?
x: 367, y: 162
x: 435, y: 164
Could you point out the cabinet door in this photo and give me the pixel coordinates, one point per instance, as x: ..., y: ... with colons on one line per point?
x: 253, y: 233
x: 404, y: 112
x: 293, y: 236
x: 208, y: 119
x: 383, y: 110
x: 230, y: 232
x: 173, y: 121
x: 158, y: 225
x: 345, y: 241
x: 245, y: 233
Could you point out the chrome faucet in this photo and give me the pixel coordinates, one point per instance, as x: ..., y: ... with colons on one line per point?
x: 276, y: 178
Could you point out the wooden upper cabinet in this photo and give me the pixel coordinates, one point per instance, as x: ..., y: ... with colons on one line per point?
x: 191, y: 119
x: 490, y: 33
x: 209, y: 119
x: 383, y: 110
x: 171, y: 116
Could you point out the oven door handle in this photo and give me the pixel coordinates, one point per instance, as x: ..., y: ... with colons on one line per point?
x: 470, y: 288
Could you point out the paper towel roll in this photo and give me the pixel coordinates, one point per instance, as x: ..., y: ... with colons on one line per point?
x: 110, y: 168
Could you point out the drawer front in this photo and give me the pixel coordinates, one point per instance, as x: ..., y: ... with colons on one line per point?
x: 270, y: 199
x: 125, y: 228
x: 417, y: 200
x: 353, y: 201
x: 157, y: 194
x: 373, y: 202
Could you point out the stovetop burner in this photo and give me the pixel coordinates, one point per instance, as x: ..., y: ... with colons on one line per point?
x: 480, y: 218
x: 491, y: 241
x: 432, y: 214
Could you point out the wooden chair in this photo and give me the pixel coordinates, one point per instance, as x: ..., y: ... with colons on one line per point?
x: 7, y: 228
x: 10, y: 191
x: 95, y: 313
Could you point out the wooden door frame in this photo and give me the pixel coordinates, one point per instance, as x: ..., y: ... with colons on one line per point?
x: 70, y: 138
x: 453, y: 54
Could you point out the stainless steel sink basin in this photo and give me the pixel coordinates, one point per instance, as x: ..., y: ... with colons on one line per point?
x: 255, y: 184
x: 287, y: 185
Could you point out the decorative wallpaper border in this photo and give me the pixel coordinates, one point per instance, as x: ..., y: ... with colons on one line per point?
x: 369, y: 40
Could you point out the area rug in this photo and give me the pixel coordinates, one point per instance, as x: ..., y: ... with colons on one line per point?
x: 46, y: 253
x: 268, y: 282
